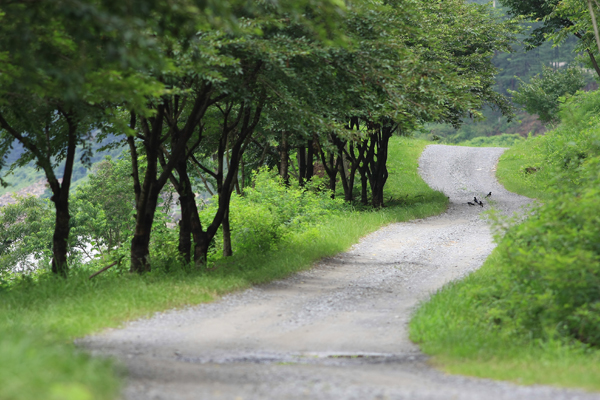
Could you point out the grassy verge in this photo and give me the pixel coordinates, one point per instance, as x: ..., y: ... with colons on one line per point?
x: 501, y: 321
x: 445, y: 327
x: 40, y: 317
x: 521, y: 169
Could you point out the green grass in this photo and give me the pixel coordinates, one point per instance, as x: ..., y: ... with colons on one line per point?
x: 522, y: 170
x: 40, y: 317
x: 503, y: 140
x: 448, y: 327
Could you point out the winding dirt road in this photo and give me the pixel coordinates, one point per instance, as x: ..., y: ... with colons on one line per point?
x: 338, y: 331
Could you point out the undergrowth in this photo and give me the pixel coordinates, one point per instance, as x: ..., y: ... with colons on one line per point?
x: 40, y: 315
x: 531, y: 313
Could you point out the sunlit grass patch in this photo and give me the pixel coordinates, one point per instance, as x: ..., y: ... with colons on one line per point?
x: 522, y: 169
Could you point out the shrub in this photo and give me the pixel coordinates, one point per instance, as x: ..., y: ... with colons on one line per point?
x: 269, y: 211
x: 551, y: 281
x: 542, y: 95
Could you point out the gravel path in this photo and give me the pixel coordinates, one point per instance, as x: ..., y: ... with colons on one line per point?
x: 338, y: 331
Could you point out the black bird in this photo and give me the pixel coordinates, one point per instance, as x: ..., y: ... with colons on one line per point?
x: 469, y: 203
x: 488, y: 195
x: 481, y: 203
x: 477, y: 201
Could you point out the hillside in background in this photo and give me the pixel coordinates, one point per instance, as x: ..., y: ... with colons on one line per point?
x: 519, y: 64
x: 30, y: 180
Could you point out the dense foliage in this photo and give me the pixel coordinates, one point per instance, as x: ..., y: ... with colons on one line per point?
x: 541, y: 95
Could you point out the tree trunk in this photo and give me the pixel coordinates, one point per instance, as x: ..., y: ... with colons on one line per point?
x: 60, y: 237
x: 310, y: 155
x: 185, y: 230
x: 301, y: 165
x: 594, y: 62
x: 227, y: 249
x: 364, y: 182
x: 284, y: 158
x: 200, y: 238
x: 225, y: 182
x: 60, y: 246
x: 140, y: 243
x: 344, y: 178
x: 379, y: 172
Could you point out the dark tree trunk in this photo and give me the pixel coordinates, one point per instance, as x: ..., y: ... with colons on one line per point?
x: 147, y: 199
x: 330, y: 166
x: 310, y: 159
x: 301, y: 165
x: 594, y: 62
x: 346, y: 185
x: 227, y: 249
x: 186, y: 197
x: 225, y: 182
x: 188, y: 203
x: 61, y: 235
x: 364, y: 182
x: 60, y: 197
x: 379, y: 172
x: 140, y: 243
x: 284, y: 157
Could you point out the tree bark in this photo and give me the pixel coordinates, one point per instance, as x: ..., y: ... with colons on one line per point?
x: 364, y: 182
x: 330, y: 166
x: 594, y: 24
x: 140, y: 243
x: 379, y: 172
x: 310, y: 159
x: 594, y: 62
x: 284, y: 157
x: 301, y: 165
x: 60, y: 246
x: 227, y: 249
x: 225, y: 182
x: 186, y: 197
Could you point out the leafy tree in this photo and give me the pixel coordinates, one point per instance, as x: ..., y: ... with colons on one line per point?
x: 103, y: 206
x: 559, y: 19
x: 542, y: 94
x: 61, y: 64
x: 26, y: 234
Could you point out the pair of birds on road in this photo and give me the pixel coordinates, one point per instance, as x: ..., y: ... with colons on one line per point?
x: 478, y: 202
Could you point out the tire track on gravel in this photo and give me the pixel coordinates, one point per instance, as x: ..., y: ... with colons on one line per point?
x: 339, y: 330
